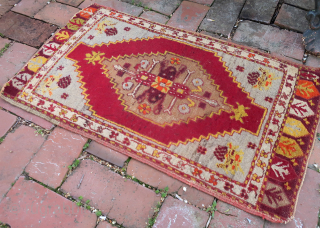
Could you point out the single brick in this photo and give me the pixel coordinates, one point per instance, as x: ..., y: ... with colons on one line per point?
x: 313, y: 61
x: 213, y: 35
x: 156, y: 178
x: 188, y: 16
x: 28, y: 204
x: 163, y: 6
x: 26, y: 115
x: 305, y: 4
x: 104, y: 224
x: 13, y: 60
x: 315, y: 153
x: 50, y: 164
x: 259, y: 10
x: 3, y: 42
x: 107, y: 154
x: 175, y: 214
x: 7, y: 120
x: 129, y: 203
x: 25, y: 29
x: 6, y: 5
x: 308, y: 204
x: 114, y: 4
x: 269, y: 38
x: 153, y: 16
x: 15, y: 153
x: 71, y: 2
x: 29, y: 7
x: 230, y: 216
x: 57, y: 13
x: 205, y: 2
x: 292, y: 18
x: 284, y: 58
x: 195, y: 197
x: 222, y: 16
x: 152, y: 176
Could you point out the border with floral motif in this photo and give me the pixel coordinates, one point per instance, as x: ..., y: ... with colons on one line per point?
x: 169, y: 169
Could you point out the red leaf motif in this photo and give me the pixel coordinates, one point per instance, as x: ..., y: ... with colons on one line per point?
x: 50, y: 48
x: 299, y: 108
x: 20, y: 80
x: 274, y: 195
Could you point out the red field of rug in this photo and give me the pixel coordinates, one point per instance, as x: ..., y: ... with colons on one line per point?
x: 228, y: 120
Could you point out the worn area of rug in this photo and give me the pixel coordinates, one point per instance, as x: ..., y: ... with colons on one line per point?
x: 233, y: 122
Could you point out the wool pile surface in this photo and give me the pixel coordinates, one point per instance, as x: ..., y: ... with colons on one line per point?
x: 233, y: 122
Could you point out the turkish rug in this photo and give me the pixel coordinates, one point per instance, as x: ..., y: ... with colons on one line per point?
x: 233, y: 122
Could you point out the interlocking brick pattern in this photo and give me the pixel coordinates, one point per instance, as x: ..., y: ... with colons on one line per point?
x: 153, y: 16
x: 163, y: 6
x: 292, y: 18
x: 50, y: 164
x: 188, y: 16
x: 33, y: 205
x: 25, y: 29
x: 13, y: 60
x: 6, y: 5
x: 15, y: 154
x: 271, y: 39
x: 29, y: 7
x: 114, y: 4
x: 7, y: 120
x: 56, y: 13
x: 124, y: 200
x: 269, y: 25
x: 222, y: 16
x: 175, y: 213
x: 259, y: 10
x: 107, y: 154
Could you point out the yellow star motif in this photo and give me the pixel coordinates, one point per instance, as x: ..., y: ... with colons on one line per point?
x: 239, y: 113
x: 95, y: 56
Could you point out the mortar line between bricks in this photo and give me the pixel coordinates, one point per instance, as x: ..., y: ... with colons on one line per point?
x: 276, y: 11
x: 67, y: 3
x: 292, y: 30
x: 149, y: 9
x: 235, y: 25
x: 37, y: 47
x: 35, y: 18
x: 198, y: 28
x: 23, y: 171
x: 177, y: 6
x: 27, y: 177
x: 57, y: 191
x: 71, y: 170
x: 272, y: 25
x: 35, y: 14
x: 75, y: 200
x: 21, y: 121
x: 15, y: 41
x: 297, y: 7
x: 10, y: 130
x: 152, y: 10
x: 5, y: 48
x: 117, y: 170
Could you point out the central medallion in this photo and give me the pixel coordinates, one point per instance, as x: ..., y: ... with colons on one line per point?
x: 154, y: 85
x: 164, y: 88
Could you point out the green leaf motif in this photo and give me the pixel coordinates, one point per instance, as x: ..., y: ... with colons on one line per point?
x: 75, y: 24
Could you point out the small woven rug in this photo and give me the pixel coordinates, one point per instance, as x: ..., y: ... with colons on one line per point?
x: 233, y: 122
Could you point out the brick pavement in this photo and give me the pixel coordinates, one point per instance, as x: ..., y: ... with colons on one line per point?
x: 127, y: 193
